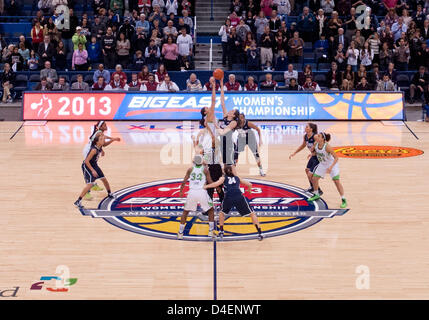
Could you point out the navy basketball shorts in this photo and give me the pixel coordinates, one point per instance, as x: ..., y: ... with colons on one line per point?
x: 227, y: 149
x: 88, y: 176
x: 239, y: 202
x: 312, y: 163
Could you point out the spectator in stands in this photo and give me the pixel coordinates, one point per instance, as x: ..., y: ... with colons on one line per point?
x: 306, y: 24
x: 237, y: 7
x: 186, y: 5
x: 340, y: 57
x: 366, y: 56
x: 348, y: 74
x: 80, y: 59
x: 3, y: 43
x: 80, y: 84
x: 117, y: 6
x: 232, y: 84
x: 250, y: 85
x: 51, y: 30
x: 422, y: 55
x: 193, y: 84
x: 49, y: 73
x: 358, y: 39
x: 135, y: 83
x: 158, y: 3
x: 78, y: 37
x: 374, y: 76
x: 363, y: 85
x: 269, y: 83
x: 160, y: 73
x: 67, y: 33
x: 341, y: 38
x: 253, y: 58
x: 7, y: 52
x: 170, y: 52
x: 143, y: 76
x: 61, y: 85
x: 144, y: 24
x: 266, y: 44
x: 127, y: 29
x: 386, y: 84
x: 188, y: 20
x: 167, y: 85
x: 108, y: 45
x: 346, y: 85
x: 185, y: 44
x: 224, y: 33
x: 350, y: 22
x: 94, y: 50
x: 43, y: 85
x: 386, y: 56
x: 171, y: 6
x: 321, y: 21
x: 152, y: 54
x: 296, y: 48
x: 242, y: 30
x: 374, y: 44
x: 334, y: 25
x: 425, y: 29
x: 281, y: 62
x: 283, y: 8
x: 98, y: 28
x: 45, y: 6
x: 25, y: 53
x: 310, y: 85
x: 419, y: 17
x: 352, y: 55
x: 116, y: 83
x: 302, y: 76
x: 293, y: 85
x: 123, y: 47
x: 274, y: 23
x: 16, y: 60
x: 138, y: 60
x: 120, y: 72
x: 328, y: 6
x: 60, y: 56
x: 391, y: 72
x: 157, y: 14
x: 267, y: 7
x: 235, y: 49
x: 289, y: 74
x: 402, y: 54
x: 333, y: 77
x: 46, y: 50
x: 321, y: 46
x: 7, y: 80
x: 420, y: 85
x: 99, y: 85
x: 390, y: 18
x: 261, y: 22
x: 12, y: 8
x: 170, y: 30
x: 33, y: 62
x: 101, y: 72
x: 398, y: 28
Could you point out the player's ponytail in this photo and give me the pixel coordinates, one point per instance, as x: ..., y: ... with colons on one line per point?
x: 203, y: 117
x: 237, y: 117
x: 313, y: 127
x: 228, y: 171
x: 326, y: 136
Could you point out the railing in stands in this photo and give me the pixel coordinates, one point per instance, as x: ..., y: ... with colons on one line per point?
x: 195, y: 30
x: 211, y: 10
x: 211, y: 54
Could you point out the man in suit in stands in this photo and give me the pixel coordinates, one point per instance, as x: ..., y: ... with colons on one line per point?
x: 61, y: 85
x: 79, y: 84
x: 46, y: 50
x: 386, y: 84
x: 341, y: 38
x: 43, y: 85
x: 49, y: 73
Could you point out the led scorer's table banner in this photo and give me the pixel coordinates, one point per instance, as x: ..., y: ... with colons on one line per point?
x: 106, y: 105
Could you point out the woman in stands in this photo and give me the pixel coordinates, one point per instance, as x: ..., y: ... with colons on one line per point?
x: 160, y: 73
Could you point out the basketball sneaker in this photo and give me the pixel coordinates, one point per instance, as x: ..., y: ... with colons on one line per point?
x: 96, y: 187
x: 111, y: 196
x: 211, y: 235
x: 261, y: 172
x: 78, y: 204
x: 314, y: 198
x: 320, y: 192
x: 87, y: 196
x: 310, y: 190
x: 343, y: 204
x: 260, y: 237
x: 179, y: 236
x: 220, y: 235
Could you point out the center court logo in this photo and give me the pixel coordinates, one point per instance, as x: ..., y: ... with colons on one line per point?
x: 154, y: 209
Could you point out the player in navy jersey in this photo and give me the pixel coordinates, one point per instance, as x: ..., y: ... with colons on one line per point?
x: 234, y: 198
x: 91, y: 170
x: 308, y: 141
x: 246, y: 136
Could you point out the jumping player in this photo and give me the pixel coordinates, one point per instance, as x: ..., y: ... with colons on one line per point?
x: 246, y: 136
x: 197, y: 176
x: 91, y: 170
x: 328, y: 164
x: 208, y: 114
x: 234, y: 198
x: 310, y: 132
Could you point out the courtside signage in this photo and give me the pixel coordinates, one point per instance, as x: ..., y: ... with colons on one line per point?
x: 154, y: 209
x: 186, y: 106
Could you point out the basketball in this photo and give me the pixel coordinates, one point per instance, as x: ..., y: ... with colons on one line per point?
x: 218, y: 74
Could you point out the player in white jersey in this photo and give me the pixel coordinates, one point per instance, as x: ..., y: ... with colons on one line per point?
x: 197, y: 175
x: 98, y: 128
x: 328, y: 164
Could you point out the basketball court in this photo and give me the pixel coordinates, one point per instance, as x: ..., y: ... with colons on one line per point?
x: 385, y: 231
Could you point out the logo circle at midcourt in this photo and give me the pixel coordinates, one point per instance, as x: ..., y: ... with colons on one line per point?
x: 376, y: 152
x: 154, y: 209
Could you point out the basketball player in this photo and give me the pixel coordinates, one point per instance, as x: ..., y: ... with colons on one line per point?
x: 246, y: 136
x: 308, y: 141
x: 91, y: 170
x: 208, y: 114
x: 328, y: 164
x: 234, y: 198
x: 207, y: 145
x: 197, y: 176
x: 99, y: 127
